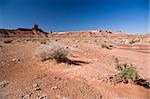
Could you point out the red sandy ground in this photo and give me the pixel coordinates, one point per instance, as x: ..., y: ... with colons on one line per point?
x: 63, y: 81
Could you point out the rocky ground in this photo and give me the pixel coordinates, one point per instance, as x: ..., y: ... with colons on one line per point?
x: 23, y: 76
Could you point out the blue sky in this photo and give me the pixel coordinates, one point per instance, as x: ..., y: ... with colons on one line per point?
x: 73, y: 15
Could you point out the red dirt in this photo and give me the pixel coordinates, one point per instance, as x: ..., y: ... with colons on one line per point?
x: 33, y: 79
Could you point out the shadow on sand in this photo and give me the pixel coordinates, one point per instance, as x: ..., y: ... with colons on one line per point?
x: 143, y: 82
x: 72, y: 62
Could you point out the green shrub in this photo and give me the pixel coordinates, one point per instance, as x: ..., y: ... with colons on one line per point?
x: 115, y: 59
x: 107, y: 46
x: 120, y: 67
x: 126, y: 72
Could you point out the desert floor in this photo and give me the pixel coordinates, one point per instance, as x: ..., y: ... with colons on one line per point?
x: 22, y: 76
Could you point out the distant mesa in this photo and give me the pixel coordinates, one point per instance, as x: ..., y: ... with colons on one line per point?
x: 34, y: 29
x: 35, y: 32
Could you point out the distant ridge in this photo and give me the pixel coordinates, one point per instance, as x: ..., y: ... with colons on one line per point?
x: 23, y: 33
x: 36, y: 32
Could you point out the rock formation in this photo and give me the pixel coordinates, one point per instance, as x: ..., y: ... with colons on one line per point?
x: 35, y: 32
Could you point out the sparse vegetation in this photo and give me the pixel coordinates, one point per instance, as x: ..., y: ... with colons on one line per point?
x: 107, y: 46
x: 115, y: 59
x: 134, y: 40
x: 56, y: 52
x: 126, y: 72
x: 40, y: 40
x: 131, y: 42
x: 8, y: 41
x: 43, y: 42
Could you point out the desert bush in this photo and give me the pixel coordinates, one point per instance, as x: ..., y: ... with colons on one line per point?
x: 17, y: 40
x: 120, y: 67
x: 40, y: 40
x: 131, y: 42
x: 57, y: 52
x: 115, y: 59
x: 126, y: 72
x: 8, y: 41
x: 43, y: 42
x: 20, y: 40
x: 107, y: 46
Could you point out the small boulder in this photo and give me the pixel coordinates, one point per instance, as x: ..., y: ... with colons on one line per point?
x: 43, y: 96
x: 3, y: 84
x: 16, y: 60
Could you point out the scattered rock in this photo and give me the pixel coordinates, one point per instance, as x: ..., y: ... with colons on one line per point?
x: 24, y: 97
x: 16, y: 60
x: 44, y: 96
x: 30, y: 94
x: 3, y: 84
x: 110, y: 79
x: 87, y: 49
x: 34, y: 96
x: 54, y: 88
x: 67, y: 47
x: 77, y: 46
x: 37, y: 87
x: 57, y: 77
x: 13, y: 60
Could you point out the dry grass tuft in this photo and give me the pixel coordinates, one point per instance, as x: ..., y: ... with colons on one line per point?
x: 57, y: 52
